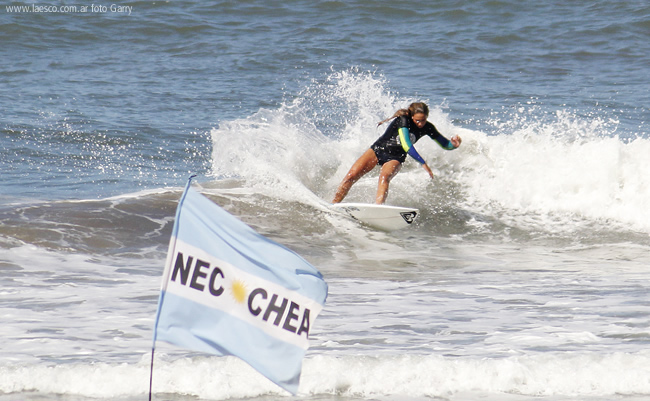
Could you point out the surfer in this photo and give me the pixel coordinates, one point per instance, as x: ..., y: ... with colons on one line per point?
x: 390, y: 150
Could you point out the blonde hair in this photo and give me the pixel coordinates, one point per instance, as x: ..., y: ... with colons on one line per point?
x: 414, y: 108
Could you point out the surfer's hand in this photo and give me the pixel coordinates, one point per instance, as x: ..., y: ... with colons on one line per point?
x: 455, y: 140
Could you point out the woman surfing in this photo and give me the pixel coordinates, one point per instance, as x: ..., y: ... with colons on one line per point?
x: 390, y: 150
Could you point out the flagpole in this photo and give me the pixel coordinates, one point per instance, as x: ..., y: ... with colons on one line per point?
x: 153, y: 349
x: 161, y: 298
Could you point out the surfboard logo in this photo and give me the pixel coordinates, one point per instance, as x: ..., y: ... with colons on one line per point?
x: 408, y: 216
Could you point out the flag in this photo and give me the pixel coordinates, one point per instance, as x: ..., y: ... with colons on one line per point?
x: 228, y: 290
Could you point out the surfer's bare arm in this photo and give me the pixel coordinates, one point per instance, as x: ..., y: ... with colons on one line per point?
x: 426, y: 167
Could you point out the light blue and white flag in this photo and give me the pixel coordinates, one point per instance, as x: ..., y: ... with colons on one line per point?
x: 228, y: 290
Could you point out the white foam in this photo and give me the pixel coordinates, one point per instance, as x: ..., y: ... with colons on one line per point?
x: 85, y: 330
x: 416, y: 376
x: 556, y: 171
x: 543, y: 174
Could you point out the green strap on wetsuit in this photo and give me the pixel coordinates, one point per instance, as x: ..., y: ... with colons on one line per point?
x: 405, y: 141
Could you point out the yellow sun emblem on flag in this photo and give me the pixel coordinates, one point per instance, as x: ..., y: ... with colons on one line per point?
x: 238, y: 291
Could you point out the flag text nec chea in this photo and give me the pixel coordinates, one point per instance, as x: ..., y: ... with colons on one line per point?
x: 228, y: 290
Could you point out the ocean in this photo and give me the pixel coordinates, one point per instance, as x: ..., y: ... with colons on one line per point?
x: 526, y: 276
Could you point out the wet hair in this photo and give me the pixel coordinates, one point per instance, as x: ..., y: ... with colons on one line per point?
x: 414, y: 108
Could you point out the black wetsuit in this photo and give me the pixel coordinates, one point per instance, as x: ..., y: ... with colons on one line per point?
x: 388, y: 146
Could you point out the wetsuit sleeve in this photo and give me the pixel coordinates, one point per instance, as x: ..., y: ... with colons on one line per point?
x: 441, y: 140
x: 405, y: 140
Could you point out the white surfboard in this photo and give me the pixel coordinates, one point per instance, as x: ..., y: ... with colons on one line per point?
x: 387, y: 218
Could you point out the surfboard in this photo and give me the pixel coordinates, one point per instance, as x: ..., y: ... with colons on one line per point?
x: 383, y: 217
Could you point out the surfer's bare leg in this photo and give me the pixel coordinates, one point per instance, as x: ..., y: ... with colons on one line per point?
x: 363, y: 165
x: 388, y: 171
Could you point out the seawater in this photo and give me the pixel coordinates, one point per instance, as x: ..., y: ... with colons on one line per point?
x: 525, y: 277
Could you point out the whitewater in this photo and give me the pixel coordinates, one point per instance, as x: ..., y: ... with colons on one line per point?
x: 524, y: 278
